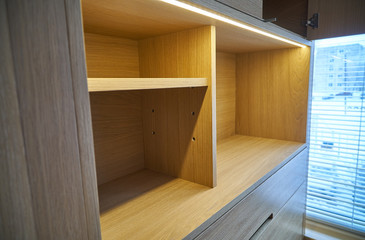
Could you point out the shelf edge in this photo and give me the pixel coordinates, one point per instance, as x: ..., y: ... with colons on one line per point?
x: 120, y: 84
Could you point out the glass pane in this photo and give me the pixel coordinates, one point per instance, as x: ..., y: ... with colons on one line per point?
x: 336, y: 175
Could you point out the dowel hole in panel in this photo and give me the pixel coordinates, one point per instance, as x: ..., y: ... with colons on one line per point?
x: 153, y: 132
x: 193, y: 139
x: 153, y: 110
x: 193, y: 113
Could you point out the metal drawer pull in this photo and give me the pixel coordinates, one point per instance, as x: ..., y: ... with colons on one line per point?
x: 262, y: 228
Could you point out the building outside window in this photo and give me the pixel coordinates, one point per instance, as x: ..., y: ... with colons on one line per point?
x: 336, y: 177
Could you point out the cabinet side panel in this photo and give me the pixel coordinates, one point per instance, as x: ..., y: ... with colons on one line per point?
x: 16, y: 212
x: 189, y: 154
x: 83, y: 117
x: 226, y: 95
x: 272, y: 94
x: 109, y: 57
x: 41, y: 54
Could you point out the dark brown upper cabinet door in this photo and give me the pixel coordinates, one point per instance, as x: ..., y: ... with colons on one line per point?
x: 336, y: 18
x: 289, y: 14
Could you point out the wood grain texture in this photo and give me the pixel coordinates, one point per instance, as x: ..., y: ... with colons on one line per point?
x: 252, y: 7
x: 132, y: 203
x: 236, y: 40
x: 226, y: 95
x: 184, y: 54
x: 291, y: 15
x: 83, y: 117
x: 141, y: 19
x: 272, y: 94
x: 337, y: 18
x: 16, y: 211
x: 44, y: 84
x: 248, y: 216
x: 116, y: 84
x: 288, y: 223
x: 118, y: 136
x: 111, y: 57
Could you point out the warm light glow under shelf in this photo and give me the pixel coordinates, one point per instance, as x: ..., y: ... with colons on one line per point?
x: 230, y: 21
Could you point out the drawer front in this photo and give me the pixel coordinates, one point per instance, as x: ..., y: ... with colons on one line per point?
x: 245, y: 218
x: 288, y: 223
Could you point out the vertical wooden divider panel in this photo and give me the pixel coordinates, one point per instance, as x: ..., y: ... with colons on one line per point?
x: 83, y: 117
x: 226, y: 95
x: 116, y: 116
x: 49, y: 87
x: 183, y: 143
x: 16, y: 211
x: 272, y: 93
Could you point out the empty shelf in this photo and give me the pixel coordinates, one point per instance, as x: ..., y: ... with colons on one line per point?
x: 117, y: 84
x: 149, y: 205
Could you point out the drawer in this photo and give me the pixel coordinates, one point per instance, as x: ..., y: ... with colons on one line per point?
x: 288, y: 223
x: 246, y: 217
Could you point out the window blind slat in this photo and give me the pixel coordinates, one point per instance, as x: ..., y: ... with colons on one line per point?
x: 336, y: 172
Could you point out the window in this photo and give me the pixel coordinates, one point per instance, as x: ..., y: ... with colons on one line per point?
x: 336, y: 175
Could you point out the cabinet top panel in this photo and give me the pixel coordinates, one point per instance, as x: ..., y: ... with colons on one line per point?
x: 140, y: 19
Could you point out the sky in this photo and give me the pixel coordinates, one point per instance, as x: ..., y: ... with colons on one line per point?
x: 328, y: 42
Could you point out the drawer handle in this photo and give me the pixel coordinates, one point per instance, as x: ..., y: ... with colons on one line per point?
x: 262, y: 227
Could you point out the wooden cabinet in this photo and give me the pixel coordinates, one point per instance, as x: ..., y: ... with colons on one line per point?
x: 183, y: 119
x: 251, y: 7
x: 190, y: 119
x: 262, y: 204
x: 335, y: 17
x: 288, y: 223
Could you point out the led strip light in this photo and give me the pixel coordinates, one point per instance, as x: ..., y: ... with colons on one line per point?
x: 229, y: 21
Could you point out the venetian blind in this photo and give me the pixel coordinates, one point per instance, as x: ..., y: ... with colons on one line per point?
x: 336, y: 176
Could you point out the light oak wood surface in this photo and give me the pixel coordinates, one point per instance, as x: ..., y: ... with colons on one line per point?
x: 118, y: 133
x: 226, y: 95
x: 116, y: 84
x: 46, y: 83
x: 184, y: 139
x: 139, y: 19
x: 111, y: 57
x: 336, y: 18
x: 272, y: 93
x: 130, y: 204
x: 234, y: 39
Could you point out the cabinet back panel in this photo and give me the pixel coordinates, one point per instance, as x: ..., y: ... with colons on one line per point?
x: 226, y: 95
x: 118, y: 139
x: 108, y: 57
x: 189, y: 53
x: 272, y: 94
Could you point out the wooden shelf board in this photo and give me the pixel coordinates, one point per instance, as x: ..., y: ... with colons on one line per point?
x: 155, y: 206
x: 117, y: 84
